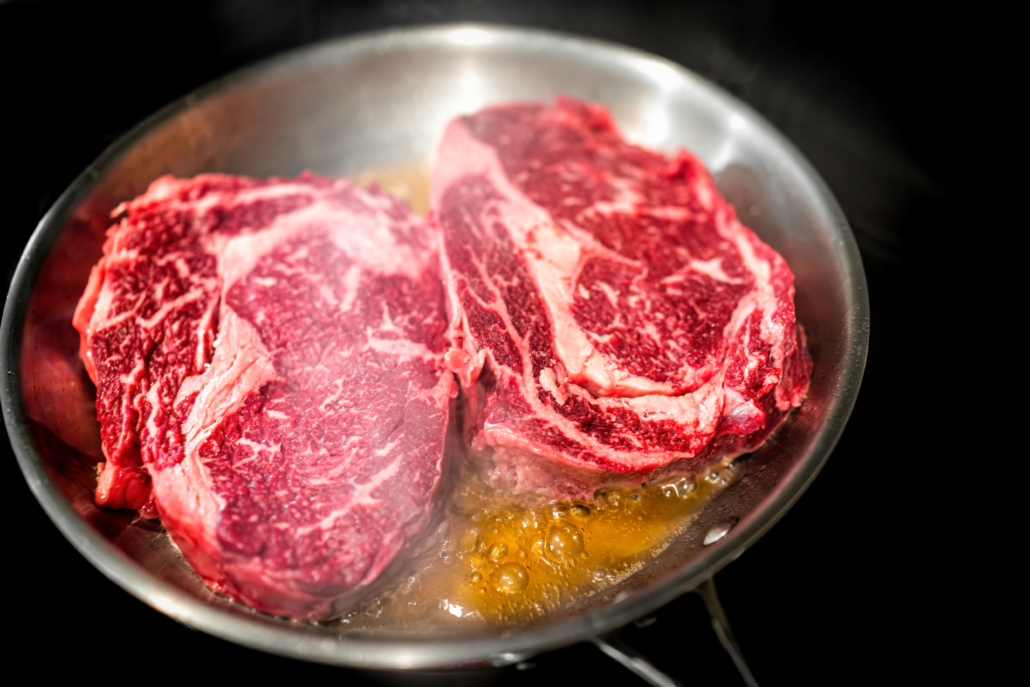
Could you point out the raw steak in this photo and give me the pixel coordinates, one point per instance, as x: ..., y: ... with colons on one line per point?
x: 269, y: 366
x: 611, y: 319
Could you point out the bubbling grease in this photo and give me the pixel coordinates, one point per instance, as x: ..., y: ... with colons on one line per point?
x: 500, y: 563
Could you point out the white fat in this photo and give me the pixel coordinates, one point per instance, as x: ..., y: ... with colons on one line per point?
x: 710, y: 268
x: 241, y: 365
x: 548, y: 381
x: 627, y: 199
x: 367, y: 239
x: 402, y: 348
x: 553, y: 270
x: 762, y: 296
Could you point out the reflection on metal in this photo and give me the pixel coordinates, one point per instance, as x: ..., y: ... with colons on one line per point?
x: 666, y: 76
x: 469, y: 36
x: 615, y: 648
x: 721, y: 625
x: 507, y: 659
x: 719, y: 531
x: 728, y: 152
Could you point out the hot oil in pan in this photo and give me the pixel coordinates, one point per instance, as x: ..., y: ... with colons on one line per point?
x: 510, y: 564
x: 500, y: 563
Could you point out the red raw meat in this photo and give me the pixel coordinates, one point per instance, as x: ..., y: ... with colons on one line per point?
x: 270, y: 377
x: 611, y: 320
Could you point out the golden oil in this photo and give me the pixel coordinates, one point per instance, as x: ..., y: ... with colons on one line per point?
x: 503, y: 564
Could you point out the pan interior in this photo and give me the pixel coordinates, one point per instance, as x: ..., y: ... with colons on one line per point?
x: 382, y: 101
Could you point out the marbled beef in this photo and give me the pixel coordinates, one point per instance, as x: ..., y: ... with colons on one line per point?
x: 611, y: 320
x: 270, y: 380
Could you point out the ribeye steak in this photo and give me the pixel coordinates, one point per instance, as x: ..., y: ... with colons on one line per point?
x: 270, y: 377
x: 611, y: 319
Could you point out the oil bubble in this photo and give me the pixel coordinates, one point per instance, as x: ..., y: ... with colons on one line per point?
x: 469, y: 539
x: 563, y: 543
x: 686, y: 486
x: 511, y: 577
x: 580, y: 511
x: 608, y: 496
x: 374, y: 608
x: 498, y: 551
x: 557, y: 511
x: 477, y: 577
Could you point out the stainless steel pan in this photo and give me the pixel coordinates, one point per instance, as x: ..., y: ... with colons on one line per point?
x: 375, y: 101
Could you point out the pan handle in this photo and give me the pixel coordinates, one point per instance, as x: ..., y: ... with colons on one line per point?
x: 613, y: 646
x: 721, y: 625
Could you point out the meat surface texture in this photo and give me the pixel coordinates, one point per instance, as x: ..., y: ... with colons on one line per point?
x: 269, y: 362
x: 611, y: 319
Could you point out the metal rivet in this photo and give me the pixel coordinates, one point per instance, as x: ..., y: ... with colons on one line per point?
x: 720, y: 530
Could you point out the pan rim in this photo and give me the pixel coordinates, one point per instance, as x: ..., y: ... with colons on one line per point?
x: 388, y: 652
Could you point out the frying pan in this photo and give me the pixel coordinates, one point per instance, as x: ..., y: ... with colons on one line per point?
x: 375, y: 101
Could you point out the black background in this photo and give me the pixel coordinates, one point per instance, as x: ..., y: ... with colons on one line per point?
x: 849, y: 586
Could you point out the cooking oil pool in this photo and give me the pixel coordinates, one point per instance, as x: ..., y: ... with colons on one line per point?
x: 503, y: 564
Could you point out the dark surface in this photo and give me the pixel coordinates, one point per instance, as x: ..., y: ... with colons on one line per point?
x: 839, y: 591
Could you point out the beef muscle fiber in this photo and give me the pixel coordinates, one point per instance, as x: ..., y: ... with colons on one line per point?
x: 270, y: 378
x: 611, y: 319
